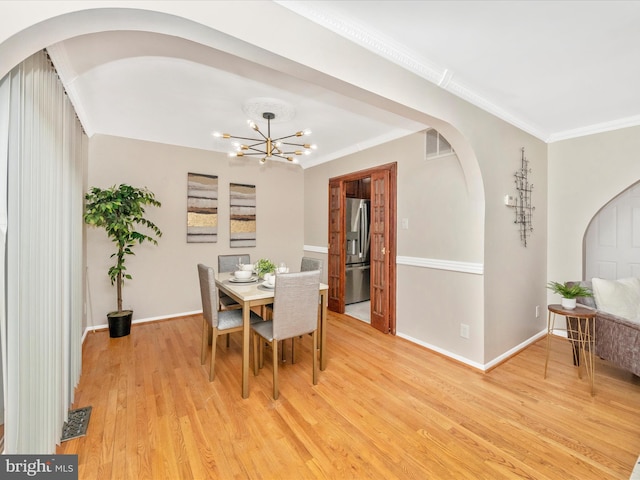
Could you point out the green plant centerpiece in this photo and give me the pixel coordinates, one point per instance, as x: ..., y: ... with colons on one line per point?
x: 569, y: 293
x: 264, y: 265
x: 119, y: 210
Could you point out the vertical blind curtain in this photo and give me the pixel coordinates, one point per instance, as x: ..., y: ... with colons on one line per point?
x: 42, y: 299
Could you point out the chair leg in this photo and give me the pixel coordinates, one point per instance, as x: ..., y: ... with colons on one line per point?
x: 255, y: 339
x: 315, y: 357
x: 228, y: 337
x: 293, y: 350
x: 260, y: 352
x: 274, y: 346
x: 205, y: 340
x: 283, y: 355
x: 213, y: 354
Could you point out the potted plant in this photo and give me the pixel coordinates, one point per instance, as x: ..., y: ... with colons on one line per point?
x: 264, y: 265
x: 120, y: 210
x: 569, y: 293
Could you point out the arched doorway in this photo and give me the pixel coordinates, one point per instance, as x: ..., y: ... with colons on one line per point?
x: 612, y: 239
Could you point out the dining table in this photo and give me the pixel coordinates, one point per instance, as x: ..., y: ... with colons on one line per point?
x: 254, y: 292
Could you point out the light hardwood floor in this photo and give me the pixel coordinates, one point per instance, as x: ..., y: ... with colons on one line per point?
x: 383, y: 409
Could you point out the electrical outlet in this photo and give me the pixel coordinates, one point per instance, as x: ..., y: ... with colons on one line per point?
x: 464, y: 330
x: 537, y: 311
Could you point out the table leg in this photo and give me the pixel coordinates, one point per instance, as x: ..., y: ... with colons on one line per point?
x: 586, y: 342
x: 246, y: 315
x: 323, y: 329
x: 550, y: 326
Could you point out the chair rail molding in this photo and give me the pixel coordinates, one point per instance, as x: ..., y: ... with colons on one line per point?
x: 316, y: 249
x: 438, y: 264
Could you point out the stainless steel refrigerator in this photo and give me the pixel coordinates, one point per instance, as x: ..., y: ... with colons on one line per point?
x: 357, y: 249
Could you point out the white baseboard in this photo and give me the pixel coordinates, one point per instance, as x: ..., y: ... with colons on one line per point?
x: 471, y: 363
x: 140, y: 320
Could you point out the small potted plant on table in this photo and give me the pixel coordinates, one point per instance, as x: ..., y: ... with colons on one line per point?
x: 119, y: 210
x: 264, y: 266
x: 569, y: 293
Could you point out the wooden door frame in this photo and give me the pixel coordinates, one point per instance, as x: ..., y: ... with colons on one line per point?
x: 391, y: 168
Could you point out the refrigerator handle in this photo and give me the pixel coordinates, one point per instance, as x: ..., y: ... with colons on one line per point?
x: 364, y: 231
x: 360, y: 244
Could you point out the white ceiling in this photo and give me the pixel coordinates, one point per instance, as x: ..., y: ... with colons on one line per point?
x: 556, y: 69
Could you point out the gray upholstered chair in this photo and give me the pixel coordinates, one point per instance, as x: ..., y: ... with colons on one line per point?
x: 308, y: 264
x: 215, y: 322
x: 295, y: 313
x: 229, y: 263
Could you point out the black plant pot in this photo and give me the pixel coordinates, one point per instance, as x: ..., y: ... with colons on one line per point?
x: 120, y: 323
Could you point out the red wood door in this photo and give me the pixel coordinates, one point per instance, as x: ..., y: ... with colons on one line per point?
x: 383, y: 243
x: 380, y: 251
x: 336, y: 254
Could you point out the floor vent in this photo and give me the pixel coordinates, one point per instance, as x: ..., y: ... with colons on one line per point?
x: 77, y: 424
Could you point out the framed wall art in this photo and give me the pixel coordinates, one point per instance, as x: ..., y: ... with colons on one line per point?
x: 242, y: 214
x: 202, y: 208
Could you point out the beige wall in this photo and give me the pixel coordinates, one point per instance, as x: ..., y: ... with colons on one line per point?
x: 164, y: 280
x: 499, y: 306
x: 584, y: 175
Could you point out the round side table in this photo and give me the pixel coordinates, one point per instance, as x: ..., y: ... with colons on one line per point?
x: 581, y: 323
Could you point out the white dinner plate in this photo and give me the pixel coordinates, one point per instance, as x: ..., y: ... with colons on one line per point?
x: 266, y: 285
x: 243, y: 280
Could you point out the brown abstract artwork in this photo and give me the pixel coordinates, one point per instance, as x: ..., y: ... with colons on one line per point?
x: 243, y: 215
x: 202, y: 208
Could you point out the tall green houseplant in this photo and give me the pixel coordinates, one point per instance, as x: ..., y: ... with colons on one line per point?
x: 120, y: 211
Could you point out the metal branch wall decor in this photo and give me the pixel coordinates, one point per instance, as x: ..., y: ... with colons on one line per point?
x: 522, y: 206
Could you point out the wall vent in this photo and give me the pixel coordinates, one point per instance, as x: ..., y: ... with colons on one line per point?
x: 436, y: 145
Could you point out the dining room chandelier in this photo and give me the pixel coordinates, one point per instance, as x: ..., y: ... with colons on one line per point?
x: 267, y: 147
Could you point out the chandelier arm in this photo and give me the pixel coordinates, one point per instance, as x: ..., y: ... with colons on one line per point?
x: 286, y: 136
x: 247, y: 138
x: 256, y: 150
x: 254, y: 145
x: 279, y: 156
x: 265, y: 137
x: 293, y: 144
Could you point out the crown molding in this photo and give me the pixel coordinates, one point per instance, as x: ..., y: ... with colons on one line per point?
x: 596, y: 128
x: 386, y: 48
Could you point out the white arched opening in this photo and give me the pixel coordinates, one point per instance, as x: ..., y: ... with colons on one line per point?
x: 612, y: 239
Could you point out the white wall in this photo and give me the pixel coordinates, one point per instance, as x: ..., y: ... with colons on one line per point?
x: 584, y: 175
x: 165, y: 281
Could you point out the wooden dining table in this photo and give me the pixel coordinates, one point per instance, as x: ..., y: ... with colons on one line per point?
x: 255, y: 294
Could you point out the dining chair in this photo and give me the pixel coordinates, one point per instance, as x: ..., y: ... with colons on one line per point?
x: 214, y: 322
x: 229, y: 263
x: 295, y: 307
x: 308, y: 264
